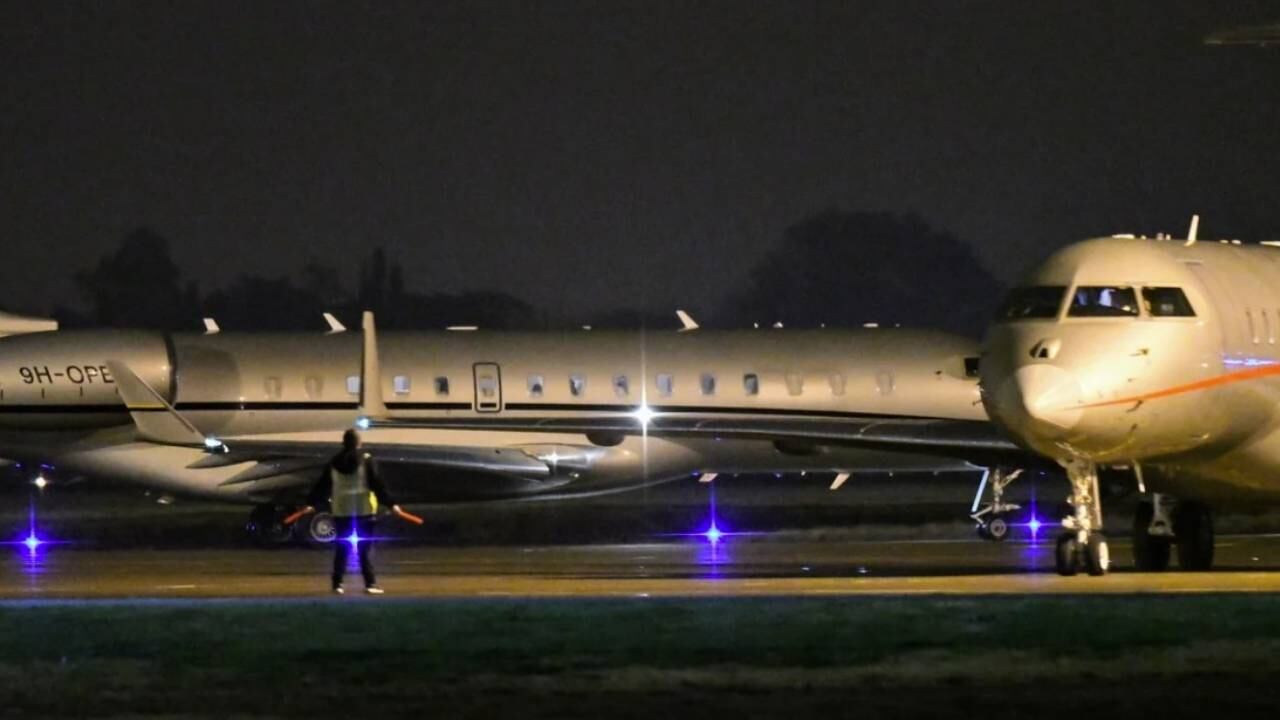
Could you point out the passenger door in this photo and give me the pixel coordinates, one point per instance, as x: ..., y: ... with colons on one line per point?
x: 488, y: 387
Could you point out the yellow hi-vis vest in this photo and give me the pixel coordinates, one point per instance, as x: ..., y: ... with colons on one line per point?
x: 351, y: 496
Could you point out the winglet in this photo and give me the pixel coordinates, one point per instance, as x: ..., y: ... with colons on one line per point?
x: 211, y: 327
x: 335, y: 326
x: 371, y: 405
x: 155, y: 418
x: 686, y: 321
x: 1193, y: 230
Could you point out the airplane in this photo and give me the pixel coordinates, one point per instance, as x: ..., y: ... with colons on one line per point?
x: 1155, y: 358
x: 1258, y: 35
x: 468, y: 414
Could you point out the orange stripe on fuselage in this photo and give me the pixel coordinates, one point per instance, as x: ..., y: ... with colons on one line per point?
x: 1229, y: 378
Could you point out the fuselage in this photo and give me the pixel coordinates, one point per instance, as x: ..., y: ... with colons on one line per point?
x: 59, y: 402
x: 1154, y: 353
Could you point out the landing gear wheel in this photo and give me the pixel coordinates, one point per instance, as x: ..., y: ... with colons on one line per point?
x: 1193, y: 527
x: 266, y: 526
x: 316, y: 530
x: 1067, y: 557
x: 1150, y: 552
x: 1096, y: 555
x: 997, y: 528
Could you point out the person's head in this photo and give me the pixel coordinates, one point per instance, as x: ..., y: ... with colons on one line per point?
x: 351, y: 440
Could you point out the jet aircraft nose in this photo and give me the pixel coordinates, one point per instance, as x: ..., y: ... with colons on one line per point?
x: 1040, y: 401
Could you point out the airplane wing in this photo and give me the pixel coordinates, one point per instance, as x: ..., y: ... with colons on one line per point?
x: 275, y: 458
x: 973, y: 440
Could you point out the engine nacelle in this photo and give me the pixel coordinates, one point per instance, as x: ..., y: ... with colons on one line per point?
x: 60, y: 380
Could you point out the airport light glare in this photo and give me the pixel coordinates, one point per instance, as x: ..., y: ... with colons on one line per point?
x: 644, y: 414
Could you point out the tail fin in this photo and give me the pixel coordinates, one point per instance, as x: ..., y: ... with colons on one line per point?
x: 18, y: 325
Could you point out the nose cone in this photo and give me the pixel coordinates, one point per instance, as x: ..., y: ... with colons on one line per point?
x: 1040, y: 401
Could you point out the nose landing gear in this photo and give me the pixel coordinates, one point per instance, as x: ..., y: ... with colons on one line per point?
x: 1082, y: 546
x: 990, y: 517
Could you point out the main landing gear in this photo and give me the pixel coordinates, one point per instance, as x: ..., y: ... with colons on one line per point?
x: 990, y: 517
x: 1082, y: 545
x: 1159, y: 524
x: 267, y: 529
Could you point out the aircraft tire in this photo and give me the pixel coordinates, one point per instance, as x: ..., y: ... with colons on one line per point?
x: 1096, y: 555
x: 1193, y: 528
x: 316, y: 530
x: 1150, y: 553
x: 998, y: 528
x: 1067, y: 555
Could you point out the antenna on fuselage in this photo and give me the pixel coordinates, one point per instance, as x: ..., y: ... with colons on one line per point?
x: 335, y: 325
x: 211, y: 327
x: 1192, y: 231
x: 687, y: 323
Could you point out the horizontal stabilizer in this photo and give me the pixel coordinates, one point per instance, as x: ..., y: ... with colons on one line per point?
x: 155, y: 418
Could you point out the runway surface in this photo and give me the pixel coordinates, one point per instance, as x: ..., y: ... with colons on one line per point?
x: 683, y: 567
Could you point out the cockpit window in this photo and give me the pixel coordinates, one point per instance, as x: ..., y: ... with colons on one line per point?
x: 1032, y: 303
x: 1166, y: 302
x: 1103, y: 301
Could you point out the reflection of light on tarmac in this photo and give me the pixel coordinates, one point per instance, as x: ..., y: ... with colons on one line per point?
x: 714, y: 551
x: 32, y: 545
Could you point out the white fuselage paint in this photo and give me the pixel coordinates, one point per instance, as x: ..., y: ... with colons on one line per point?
x: 57, y: 404
x: 1194, y: 400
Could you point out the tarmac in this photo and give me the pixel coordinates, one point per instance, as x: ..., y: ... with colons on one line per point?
x: 672, y: 567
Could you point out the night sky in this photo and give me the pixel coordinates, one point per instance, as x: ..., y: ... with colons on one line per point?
x: 615, y: 153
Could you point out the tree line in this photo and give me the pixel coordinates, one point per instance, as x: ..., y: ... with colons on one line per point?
x: 836, y: 268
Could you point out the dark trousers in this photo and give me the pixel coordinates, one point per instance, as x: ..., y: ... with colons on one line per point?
x: 363, y: 527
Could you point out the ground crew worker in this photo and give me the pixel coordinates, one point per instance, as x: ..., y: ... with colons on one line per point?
x: 351, y: 487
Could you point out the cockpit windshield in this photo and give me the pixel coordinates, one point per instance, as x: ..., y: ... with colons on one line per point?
x: 1032, y: 303
x: 1166, y: 302
x: 1103, y: 301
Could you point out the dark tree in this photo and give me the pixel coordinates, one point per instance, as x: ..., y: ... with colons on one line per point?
x: 139, y: 285
x: 848, y: 268
x: 261, y: 303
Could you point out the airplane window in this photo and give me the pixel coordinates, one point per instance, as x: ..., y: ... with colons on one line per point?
x: 353, y: 384
x: 621, y: 386
x: 401, y: 384
x: 1032, y: 303
x: 795, y: 384
x: 314, y: 387
x: 535, y: 386
x: 274, y: 388
x: 577, y: 384
x: 751, y: 383
x: 708, y: 383
x: 885, y: 382
x: 665, y: 383
x: 837, y: 383
x: 1166, y: 302
x: 971, y: 367
x: 442, y: 385
x: 1103, y: 301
